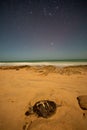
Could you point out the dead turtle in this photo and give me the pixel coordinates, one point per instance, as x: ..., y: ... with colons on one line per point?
x: 43, y: 108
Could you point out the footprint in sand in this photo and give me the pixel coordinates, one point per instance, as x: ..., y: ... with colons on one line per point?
x: 82, y: 100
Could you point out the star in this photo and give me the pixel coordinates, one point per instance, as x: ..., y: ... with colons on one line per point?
x: 57, y: 7
x: 30, y: 12
x: 50, y: 14
x: 52, y: 44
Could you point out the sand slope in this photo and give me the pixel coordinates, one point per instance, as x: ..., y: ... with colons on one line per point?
x: 22, y: 87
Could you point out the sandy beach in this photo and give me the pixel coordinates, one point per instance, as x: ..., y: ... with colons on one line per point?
x: 22, y: 86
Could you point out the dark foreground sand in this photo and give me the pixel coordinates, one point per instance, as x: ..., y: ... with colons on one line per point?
x: 21, y: 87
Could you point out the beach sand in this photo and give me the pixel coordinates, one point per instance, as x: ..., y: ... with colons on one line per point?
x: 21, y: 87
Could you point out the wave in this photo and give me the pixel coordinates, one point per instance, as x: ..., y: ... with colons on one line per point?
x: 60, y: 64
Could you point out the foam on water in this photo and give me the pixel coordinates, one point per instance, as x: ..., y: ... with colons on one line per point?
x: 60, y: 64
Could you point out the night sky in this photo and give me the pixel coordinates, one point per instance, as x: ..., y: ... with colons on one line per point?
x: 43, y: 29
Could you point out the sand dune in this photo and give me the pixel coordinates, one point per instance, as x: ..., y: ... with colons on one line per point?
x: 21, y: 87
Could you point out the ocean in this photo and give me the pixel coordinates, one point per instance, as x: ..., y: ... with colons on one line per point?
x: 60, y: 63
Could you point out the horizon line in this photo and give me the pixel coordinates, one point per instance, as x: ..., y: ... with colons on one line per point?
x: 43, y: 60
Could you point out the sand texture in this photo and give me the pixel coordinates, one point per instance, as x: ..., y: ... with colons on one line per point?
x: 21, y: 87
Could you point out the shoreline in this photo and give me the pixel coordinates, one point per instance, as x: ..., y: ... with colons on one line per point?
x: 54, y: 63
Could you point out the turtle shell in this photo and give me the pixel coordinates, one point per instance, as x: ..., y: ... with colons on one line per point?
x: 44, y: 108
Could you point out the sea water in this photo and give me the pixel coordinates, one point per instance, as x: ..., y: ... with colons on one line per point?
x: 60, y: 63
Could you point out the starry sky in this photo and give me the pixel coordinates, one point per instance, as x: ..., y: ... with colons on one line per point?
x: 43, y: 29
